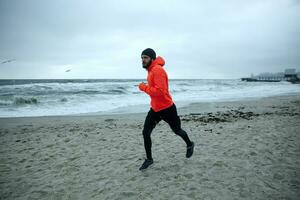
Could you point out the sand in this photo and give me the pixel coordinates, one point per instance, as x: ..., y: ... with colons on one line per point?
x: 243, y: 150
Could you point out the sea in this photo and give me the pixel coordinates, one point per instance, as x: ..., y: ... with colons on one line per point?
x: 56, y: 97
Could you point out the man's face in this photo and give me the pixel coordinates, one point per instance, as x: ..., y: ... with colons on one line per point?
x: 146, y: 61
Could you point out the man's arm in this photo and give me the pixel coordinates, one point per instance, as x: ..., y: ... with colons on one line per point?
x: 160, y: 84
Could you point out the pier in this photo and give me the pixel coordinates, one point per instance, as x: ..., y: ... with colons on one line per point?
x: 289, y: 75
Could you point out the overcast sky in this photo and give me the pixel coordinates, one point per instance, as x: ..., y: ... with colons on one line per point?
x: 104, y: 39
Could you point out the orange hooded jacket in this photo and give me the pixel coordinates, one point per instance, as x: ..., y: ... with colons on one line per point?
x: 157, y: 88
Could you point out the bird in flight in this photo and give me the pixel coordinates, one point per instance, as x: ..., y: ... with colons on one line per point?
x: 8, y: 61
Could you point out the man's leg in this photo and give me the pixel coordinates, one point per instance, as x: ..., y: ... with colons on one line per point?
x: 170, y: 116
x: 150, y: 122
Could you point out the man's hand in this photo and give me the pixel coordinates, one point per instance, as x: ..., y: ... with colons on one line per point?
x: 142, y: 86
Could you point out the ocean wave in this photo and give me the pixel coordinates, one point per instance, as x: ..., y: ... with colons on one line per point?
x: 4, y: 103
x: 25, y: 100
x: 63, y: 99
x: 184, y: 84
x: 73, y: 98
x: 178, y: 90
x: 117, y: 91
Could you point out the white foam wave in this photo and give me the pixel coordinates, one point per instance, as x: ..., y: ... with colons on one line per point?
x: 44, y: 99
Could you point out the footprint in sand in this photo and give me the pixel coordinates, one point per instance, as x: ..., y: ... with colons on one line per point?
x: 109, y: 120
x: 189, y: 176
x: 67, y: 140
x: 220, y: 163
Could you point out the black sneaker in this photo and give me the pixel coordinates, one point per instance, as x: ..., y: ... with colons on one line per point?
x: 190, y: 150
x: 146, y: 164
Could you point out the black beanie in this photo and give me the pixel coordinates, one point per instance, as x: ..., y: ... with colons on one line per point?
x: 149, y: 52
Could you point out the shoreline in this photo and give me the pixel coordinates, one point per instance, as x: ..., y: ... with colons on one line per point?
x: 145, y: 108
x: 243, y: 150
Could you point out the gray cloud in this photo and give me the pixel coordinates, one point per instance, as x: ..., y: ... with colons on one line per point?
x: 103, y: 39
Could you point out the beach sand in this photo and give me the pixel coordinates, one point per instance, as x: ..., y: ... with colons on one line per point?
x: 243, y: 150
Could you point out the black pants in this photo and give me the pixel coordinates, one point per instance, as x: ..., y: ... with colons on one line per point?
x: 170, y: 116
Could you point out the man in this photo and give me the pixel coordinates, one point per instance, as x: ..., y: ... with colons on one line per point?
x: 162, y: 105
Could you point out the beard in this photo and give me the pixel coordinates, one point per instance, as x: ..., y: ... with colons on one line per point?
x: 146, y: 65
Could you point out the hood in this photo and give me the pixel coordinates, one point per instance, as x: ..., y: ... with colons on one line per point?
x: 158, y: 61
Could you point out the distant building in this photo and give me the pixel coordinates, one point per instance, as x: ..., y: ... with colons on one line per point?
x: 291, y: 75
x: 290, y: 72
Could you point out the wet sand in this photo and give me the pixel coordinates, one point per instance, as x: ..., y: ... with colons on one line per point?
x: 243, y: 150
